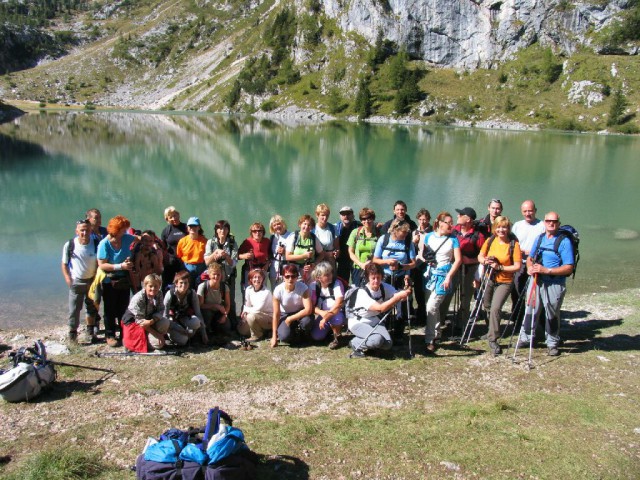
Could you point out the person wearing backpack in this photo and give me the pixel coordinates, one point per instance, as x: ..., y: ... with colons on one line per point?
x: 170, y: 236
x: 292, y: 309
x: 396, y: 253
x: 501, y: 252
x: 367, y: 309
x: 344, y: 227
x: 215, y: 300
x: 279, y: 235
x: 423, y: 218
x: 325, y: 232
x: 362, y: 243
x: 327, y: 293
x: 144, y: 324
x: 303, y: 248
x: 223, y: 249
x: 442, y: 253
x: 182, y: 308
x: 471, y: 240
x: 79, y: 266
x: 549, y: 263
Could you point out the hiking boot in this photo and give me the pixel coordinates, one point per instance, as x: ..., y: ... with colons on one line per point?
x: 73, y: 337
x: 495, y: 348
x: 522, y: 344
x: 553, y: 352
x: 253, y: 339
x: 335, y: 343
x: 357, y: 354
x: 87, y: 337
x: 112, y: 342
x: 431, y: 348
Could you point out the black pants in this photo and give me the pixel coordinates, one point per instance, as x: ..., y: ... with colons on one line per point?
x: 402, y: 315
x: 115, y: 305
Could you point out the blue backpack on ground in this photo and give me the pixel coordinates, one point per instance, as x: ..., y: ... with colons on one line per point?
x: 215, y: 451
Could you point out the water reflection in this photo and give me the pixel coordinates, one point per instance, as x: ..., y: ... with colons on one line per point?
x: 56, y: 165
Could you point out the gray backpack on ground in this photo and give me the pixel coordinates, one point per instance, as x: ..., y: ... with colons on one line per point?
x: 31, y: 373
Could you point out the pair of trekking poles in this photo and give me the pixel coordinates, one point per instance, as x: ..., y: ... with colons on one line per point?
x: 513, y: 319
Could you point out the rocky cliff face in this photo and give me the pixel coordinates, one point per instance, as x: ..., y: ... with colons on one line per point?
x: 471, y: 34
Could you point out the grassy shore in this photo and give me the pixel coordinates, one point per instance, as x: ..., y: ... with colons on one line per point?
x: 315, y: 413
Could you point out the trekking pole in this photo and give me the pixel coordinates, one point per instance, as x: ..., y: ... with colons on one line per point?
x: 457, y: 293
x: 63, y: 364
x: 513, y: 319
x: 477, y: 306
x: 529, y: 310
x: 407, y: 285
x: 157, y: 353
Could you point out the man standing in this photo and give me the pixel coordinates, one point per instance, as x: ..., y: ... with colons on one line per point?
x: 79, y: 265
x: 495, y: 210
x: 527, y: 231
x: 344, y: 228
x: 95, y: 222
x: 399, y: 213
x: 549, y: 265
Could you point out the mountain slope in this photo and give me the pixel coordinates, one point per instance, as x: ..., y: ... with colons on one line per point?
x: 423, y: 59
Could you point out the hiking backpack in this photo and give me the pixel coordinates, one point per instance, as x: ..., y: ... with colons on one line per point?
x: 351, y: 296
x: 31, y: 373
x: 565, y: 231
x: 215, y: 451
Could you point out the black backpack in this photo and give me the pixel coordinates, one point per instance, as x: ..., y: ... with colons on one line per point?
x: 565, y: 231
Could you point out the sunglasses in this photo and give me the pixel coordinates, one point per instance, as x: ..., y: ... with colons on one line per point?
x: 366, y: 219
x: 290, y: 276
x: 80, y: 222
x: 551, y: 220
x: 257, y: 231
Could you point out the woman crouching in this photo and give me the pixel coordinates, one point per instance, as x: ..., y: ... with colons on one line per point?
x: 144, y: 324
x: 291, y: 309
x: 327, y: 296
x: 366, y: 321
x: 182, y: 308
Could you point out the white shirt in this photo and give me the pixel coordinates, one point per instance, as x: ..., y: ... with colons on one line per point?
x: 527, y: 234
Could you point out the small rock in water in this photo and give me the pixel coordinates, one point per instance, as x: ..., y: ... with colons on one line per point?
x: 200, y: 379
x: 57, y: 348
x: 451, y: 466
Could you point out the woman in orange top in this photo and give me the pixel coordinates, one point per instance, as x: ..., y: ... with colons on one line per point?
x: 501, y: 251
x: 190, y: 250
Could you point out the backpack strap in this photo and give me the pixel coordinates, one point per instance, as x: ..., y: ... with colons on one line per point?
x: 407, y: 244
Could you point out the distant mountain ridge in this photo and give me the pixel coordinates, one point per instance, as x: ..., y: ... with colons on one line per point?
x: 312, y: 54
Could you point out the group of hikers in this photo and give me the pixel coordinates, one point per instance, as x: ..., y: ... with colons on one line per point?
x: 309, y: 284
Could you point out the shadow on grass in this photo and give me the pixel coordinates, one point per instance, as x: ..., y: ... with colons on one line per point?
x: 587, y: 335
x: 272, y: 467
x: 61, y: 389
